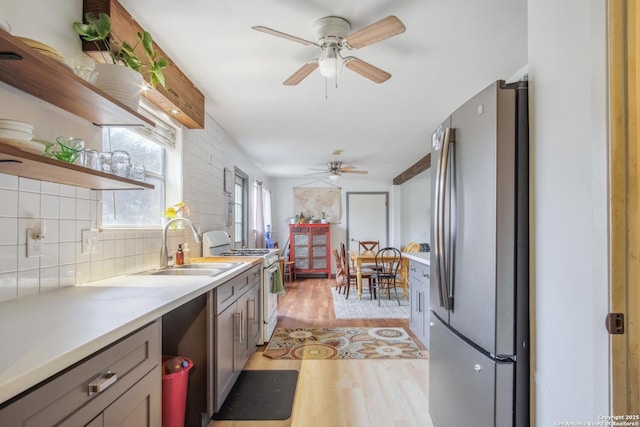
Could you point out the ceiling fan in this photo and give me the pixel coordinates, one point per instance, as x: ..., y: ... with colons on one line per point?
x: 332, y: 37
x: 335, y: 169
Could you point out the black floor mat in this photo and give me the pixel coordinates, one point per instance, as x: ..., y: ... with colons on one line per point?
x: 260, y: 395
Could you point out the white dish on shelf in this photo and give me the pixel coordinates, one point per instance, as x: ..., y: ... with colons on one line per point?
x: 15, y: 124
x: 16, y: 135
x: 28, y: 146
x: 4, y: 24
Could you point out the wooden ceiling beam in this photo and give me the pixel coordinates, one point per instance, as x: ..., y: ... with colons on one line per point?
x: 420, y: 166
x: 181, y: 100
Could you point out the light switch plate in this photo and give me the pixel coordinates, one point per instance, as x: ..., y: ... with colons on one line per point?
x: 90, y: 241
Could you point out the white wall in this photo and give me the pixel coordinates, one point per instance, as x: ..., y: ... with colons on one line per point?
x: 283, y: 205
x: 416, y: 209
x: 567, y: 72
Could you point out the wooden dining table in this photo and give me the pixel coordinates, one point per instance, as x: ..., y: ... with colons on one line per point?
x: 359, y: 259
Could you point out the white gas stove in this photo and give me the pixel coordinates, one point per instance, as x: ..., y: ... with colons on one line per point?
x: 218, y: 243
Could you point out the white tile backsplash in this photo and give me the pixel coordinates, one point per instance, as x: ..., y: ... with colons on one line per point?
x: 8, y: 286
x: 8, y: 231
x: 8, y: 181
x: 28, y: 204
x: 8, y: 202
x: 50, y: 188
x: 83, y: 209
x: 28, y: 184
x: 8, y: 259
x: 67, y: 208
x: 49, y: 206
x: 28, y: 282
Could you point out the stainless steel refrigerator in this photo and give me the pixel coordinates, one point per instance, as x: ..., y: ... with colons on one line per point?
x: 479, y: 348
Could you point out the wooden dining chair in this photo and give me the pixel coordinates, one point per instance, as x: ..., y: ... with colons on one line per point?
x: 340, y: 274
x: 351, y: 276
x: 411, y: 247
x: 368, y: 247
x: 388, y: 262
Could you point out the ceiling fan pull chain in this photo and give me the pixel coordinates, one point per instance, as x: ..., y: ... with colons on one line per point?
x: 326, y: 95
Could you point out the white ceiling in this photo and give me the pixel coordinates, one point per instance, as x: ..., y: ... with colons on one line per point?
x: 450, y: 50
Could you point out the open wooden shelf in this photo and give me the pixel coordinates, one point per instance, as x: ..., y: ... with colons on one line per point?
x: 30, y: 71
x: 14, y: 161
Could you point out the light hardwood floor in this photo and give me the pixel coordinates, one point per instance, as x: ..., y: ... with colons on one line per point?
x: 344, y: 393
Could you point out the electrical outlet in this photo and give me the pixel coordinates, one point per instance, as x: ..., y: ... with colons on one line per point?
x: 90, y: 241
x: 34, y: 246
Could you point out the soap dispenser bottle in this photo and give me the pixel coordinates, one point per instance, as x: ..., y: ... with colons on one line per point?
x: 179, y: 255
x: 187, y: 253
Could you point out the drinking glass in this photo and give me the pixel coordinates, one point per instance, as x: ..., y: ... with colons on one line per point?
x: 120, y: 163
x: 137, y: 172
x: 91, y: 159
x: 105, y: 161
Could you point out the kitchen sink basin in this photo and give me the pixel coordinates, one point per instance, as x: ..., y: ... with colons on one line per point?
x: 208, y: 265
x: 202, y: 272
x: 201, y: 269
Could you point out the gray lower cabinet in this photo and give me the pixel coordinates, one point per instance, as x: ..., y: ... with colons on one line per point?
x: 119, y: 385
x: 236, y: 330
x: 419, y: 298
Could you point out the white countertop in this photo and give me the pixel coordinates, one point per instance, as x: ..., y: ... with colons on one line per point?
x: 421, y: 257
x: 42, y: 334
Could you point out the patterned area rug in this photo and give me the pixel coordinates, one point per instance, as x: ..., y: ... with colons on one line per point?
x: 342, y: 343
x: 367, y: 308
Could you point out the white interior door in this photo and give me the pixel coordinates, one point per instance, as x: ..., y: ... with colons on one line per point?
x: 367, y: 218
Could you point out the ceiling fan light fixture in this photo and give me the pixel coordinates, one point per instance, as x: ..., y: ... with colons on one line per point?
x: 331, y: 63
x: 334, y: 175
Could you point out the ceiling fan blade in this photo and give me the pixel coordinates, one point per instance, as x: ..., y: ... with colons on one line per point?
x: 284, y: 35
x: 378, y: 31
x: 344, y: 168
x: 302, y: 72
x: 360, y: 172
x: 367, y: 70
x: 316, y: 173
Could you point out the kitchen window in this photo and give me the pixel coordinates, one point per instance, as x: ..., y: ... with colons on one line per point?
x: 241, y: 209
x: 158, y: 150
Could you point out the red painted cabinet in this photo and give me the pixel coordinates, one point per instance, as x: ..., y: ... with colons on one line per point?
x: 310, y: 248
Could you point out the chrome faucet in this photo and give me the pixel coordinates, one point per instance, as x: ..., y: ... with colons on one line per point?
x: 164, y: 255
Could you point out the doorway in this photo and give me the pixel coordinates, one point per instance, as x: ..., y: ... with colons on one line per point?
x: 367, y: 218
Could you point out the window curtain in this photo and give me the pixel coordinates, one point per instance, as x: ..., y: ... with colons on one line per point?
x: 260, y: 242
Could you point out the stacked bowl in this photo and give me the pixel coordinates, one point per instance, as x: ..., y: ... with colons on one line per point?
x: 19, y: 134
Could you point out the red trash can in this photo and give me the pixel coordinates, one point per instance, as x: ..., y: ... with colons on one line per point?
x: 175, y: 378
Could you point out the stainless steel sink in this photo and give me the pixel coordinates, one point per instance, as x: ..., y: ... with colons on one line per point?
x: 202, y: 269
x: 202, y: 272
x: 209, y: 265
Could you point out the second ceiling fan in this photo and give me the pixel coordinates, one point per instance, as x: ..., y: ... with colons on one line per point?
x: 335, y: 169
x: 332, y: 34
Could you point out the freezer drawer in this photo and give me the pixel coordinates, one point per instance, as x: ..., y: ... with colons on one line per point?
x: 466, y: 387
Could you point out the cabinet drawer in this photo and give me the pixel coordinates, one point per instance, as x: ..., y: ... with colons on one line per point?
x: 248, y: 279
x: 418, y: 272
x: 67, y: 393
x: 227, y: 293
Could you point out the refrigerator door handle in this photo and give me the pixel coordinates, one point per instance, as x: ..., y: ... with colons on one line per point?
x: 437, y: 249
x: 442, y: 273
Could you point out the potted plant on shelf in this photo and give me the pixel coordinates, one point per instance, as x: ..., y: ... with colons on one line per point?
x: 323, y: 217
x: 122, y: 54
